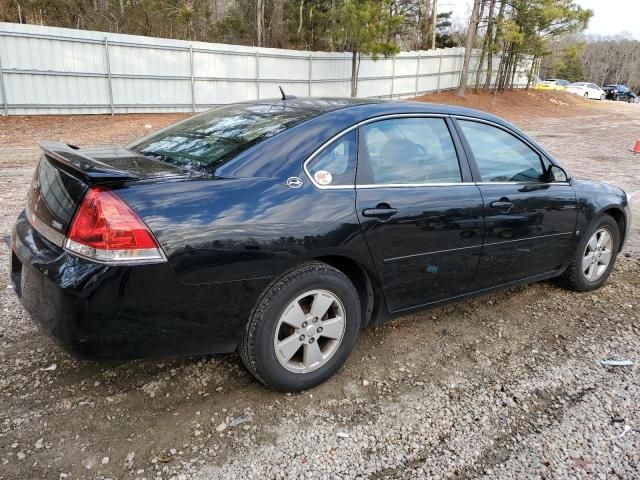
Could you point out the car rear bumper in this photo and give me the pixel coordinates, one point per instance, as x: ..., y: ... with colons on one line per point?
x: 119, y: 312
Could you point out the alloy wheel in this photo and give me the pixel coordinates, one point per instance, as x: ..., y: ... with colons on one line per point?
x: 597, y: 254
x: 309, y: 331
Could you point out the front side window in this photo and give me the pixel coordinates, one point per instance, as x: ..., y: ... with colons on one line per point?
x: 408, y: 151
x: 336, y: 164
x: 500, y: 156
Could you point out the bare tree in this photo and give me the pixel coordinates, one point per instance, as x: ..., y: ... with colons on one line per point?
x: 259, y: 23
x: 471, y: 35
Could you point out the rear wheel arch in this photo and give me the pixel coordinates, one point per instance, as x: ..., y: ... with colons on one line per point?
x: 368, y: 291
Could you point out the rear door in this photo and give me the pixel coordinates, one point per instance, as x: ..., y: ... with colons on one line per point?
x: 420, y: 212
x: 529, y: 221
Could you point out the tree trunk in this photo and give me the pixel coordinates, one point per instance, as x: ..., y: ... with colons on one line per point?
x: 486, y: 45
x: 434, y: 23
x: 534, y: 61
x: 426, y: 23
x: 493, y: 41
x: 122, y: 8
x: 514, y: 68
x: 471, y: 34
x: 300, y: 19
x: 355, y: 66
x: 259, y: 22
x: 277, y: 39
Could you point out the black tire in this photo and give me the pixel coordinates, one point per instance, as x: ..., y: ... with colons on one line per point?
x: 257, y: 345
x: 574, y: 277
x: 586, y: 95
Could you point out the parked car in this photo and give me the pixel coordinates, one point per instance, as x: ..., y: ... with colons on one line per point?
x: 280, y: 228
x: 620, y: 93
x: 550, y: 85
x: 587, y: 90
x: 560, y: 81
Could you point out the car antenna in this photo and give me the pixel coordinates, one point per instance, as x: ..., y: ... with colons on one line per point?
x: 284, y: 95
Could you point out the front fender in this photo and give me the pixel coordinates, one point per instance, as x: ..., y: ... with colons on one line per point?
x: 595, y: 199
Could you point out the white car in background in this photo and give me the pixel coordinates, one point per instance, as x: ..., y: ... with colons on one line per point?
x: 587, y: 90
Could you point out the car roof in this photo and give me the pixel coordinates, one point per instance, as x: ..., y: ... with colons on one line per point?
x: 364, y: 108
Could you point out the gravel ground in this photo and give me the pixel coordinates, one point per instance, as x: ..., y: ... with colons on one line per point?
x: 504, y: 386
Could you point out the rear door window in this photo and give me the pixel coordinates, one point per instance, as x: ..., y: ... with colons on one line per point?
x: 499, y: 155
x: 336, y: 164
x: 404, y: 151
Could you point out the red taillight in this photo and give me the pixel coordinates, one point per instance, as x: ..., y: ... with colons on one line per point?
x: 105, y: 229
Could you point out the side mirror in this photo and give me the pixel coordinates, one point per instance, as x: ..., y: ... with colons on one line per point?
x: 556, y: 174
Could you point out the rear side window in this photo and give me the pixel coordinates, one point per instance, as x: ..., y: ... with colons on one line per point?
x: 336, y: 164
x: 500, y: 156
x: 408, y: 151
x: 209, y: 140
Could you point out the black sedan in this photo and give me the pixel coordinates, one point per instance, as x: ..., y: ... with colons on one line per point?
x: 280, y: 228
x: 620, y: 93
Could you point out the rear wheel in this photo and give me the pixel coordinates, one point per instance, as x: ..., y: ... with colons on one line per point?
x: 594, y: 257
x: 303, y: 328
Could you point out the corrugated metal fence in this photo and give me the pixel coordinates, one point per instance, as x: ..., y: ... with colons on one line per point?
x: 47, y: 70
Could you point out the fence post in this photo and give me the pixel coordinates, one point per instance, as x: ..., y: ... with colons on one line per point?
x: 108, y: 65
x: 310, y: 72
x: 3, y: 91
x: 193, y: 93
x: 417, y: 74
x: 439, y: 72
x: 257, y: 75
x: 393, y: 74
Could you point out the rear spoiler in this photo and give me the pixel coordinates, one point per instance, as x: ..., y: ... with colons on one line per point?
x: 92, y: 171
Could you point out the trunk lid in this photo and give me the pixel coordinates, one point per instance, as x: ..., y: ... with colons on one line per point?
x: 65, y: 173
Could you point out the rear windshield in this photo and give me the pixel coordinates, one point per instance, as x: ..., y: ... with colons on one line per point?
x: 207, y: 141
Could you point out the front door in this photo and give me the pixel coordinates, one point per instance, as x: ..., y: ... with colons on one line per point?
x: 420, y: 212
x: 530, y: 219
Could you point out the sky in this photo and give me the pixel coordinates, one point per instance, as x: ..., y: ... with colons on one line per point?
x: 610, y: 17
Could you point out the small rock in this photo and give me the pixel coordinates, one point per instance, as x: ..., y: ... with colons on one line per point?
x: 221, y: 427
x: 239, y: 420
x: 105, y: 460
x: 38, y: 444
x: 365, y: 383
x: 21, y: 456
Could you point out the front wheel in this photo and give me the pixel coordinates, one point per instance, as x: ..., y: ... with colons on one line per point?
x: 302, y: 329
x: 602, y: 98
x: 586, y: 95
x: 594, y: 257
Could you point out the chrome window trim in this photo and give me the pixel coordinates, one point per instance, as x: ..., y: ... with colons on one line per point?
x: 410, y: 185
x: 350, y: 129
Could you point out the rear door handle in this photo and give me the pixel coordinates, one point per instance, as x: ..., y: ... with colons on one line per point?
x: 379, y: 212
x: 501, y: 204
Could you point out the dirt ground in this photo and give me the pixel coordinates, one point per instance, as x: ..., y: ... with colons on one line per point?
x: 504, y: 386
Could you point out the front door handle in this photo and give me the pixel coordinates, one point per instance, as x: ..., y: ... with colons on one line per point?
x: 379, y: 212
x: 501, y: 204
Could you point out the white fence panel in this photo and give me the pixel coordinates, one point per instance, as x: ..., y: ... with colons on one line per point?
x: 46, y: 70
